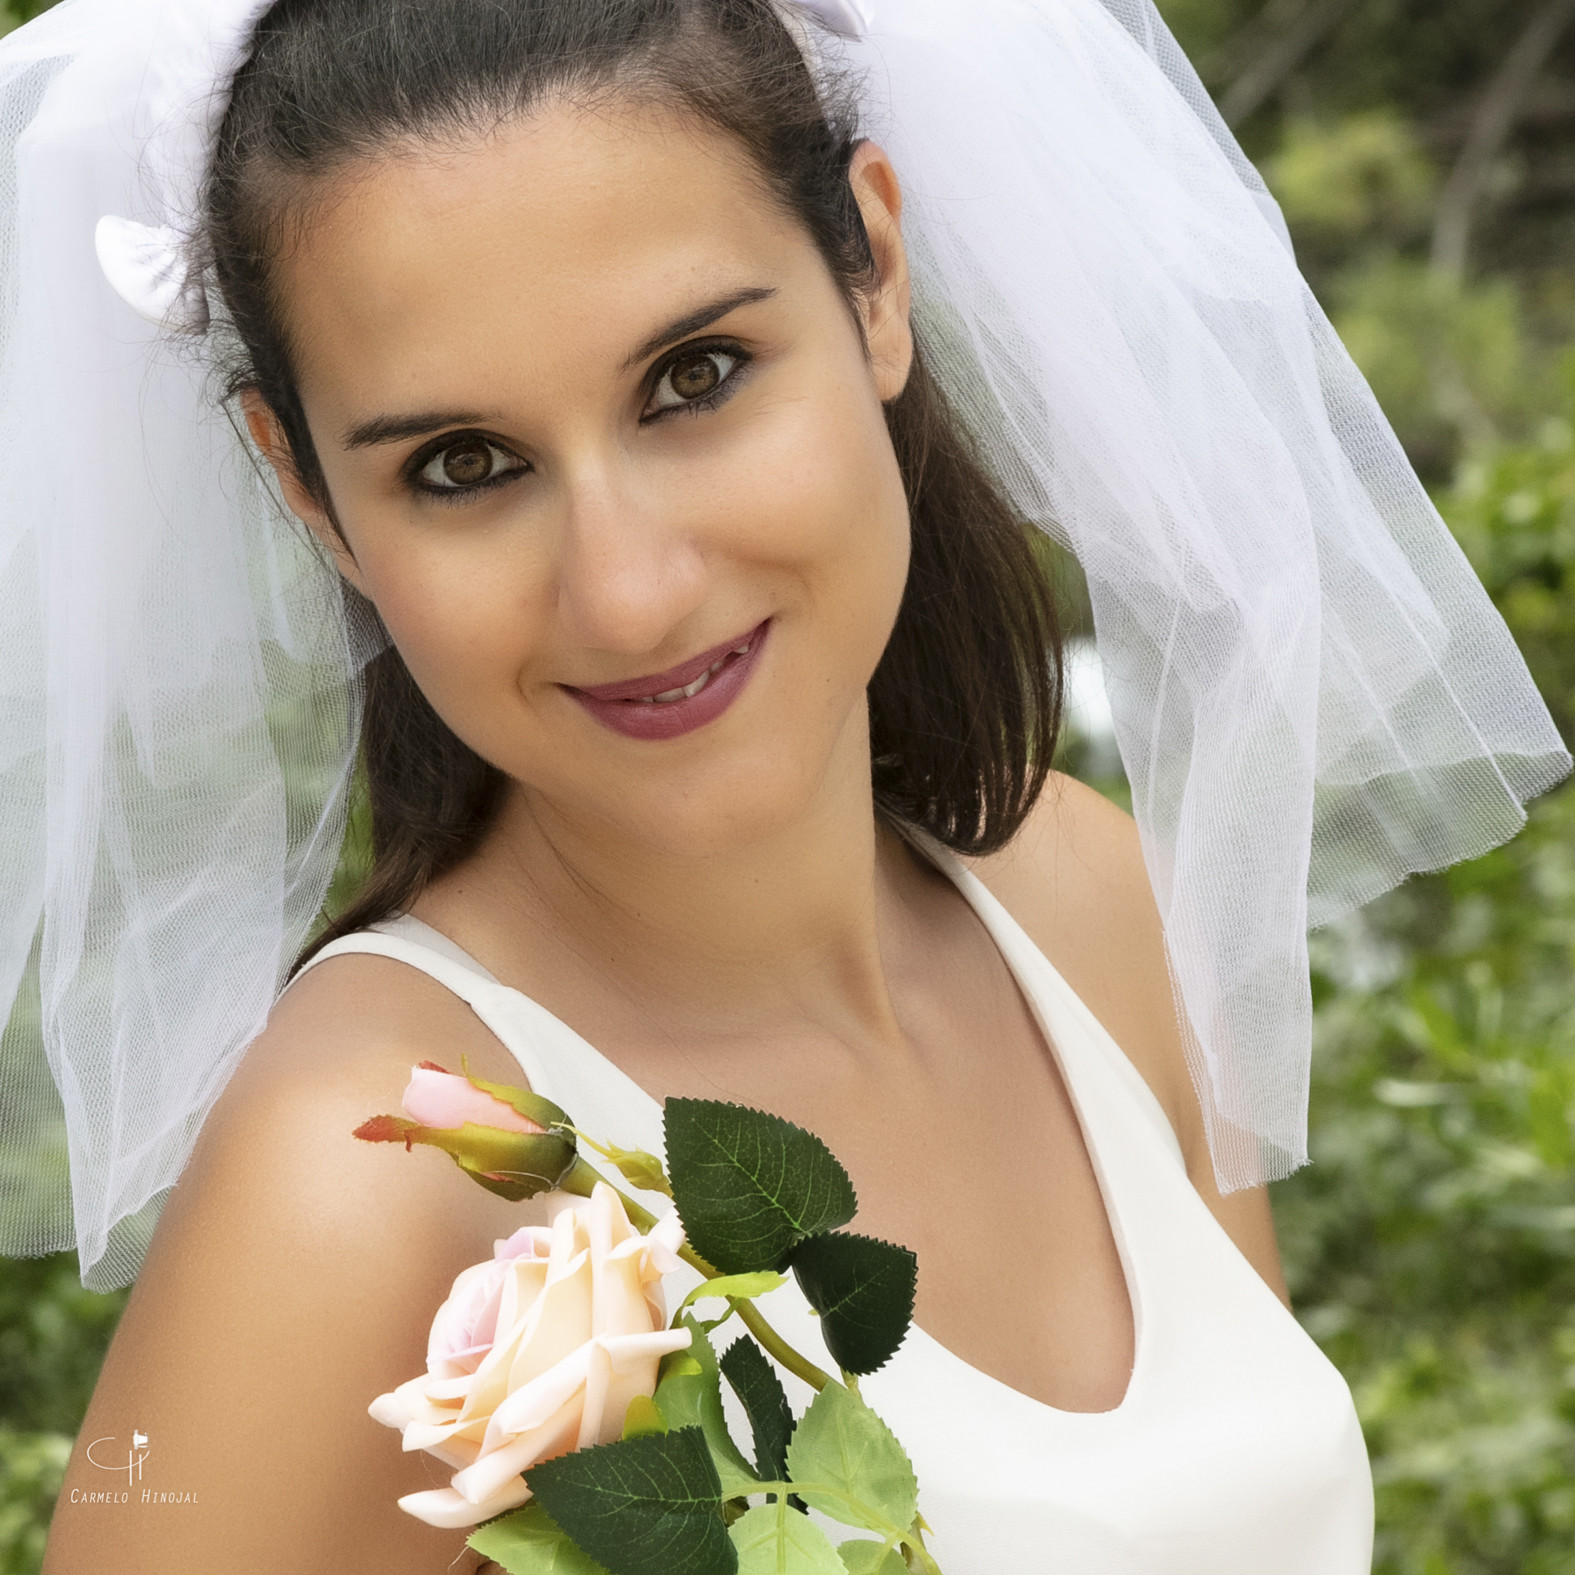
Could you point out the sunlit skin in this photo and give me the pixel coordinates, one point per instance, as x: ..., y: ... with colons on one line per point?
x: 720, y: 913
x: 633, y: 540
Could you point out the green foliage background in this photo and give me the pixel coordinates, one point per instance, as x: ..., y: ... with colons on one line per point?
x: 1431, y: 1245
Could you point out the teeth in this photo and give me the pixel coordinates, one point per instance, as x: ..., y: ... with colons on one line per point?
x: 690, y: 690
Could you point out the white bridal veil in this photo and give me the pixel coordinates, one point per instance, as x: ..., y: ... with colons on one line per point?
x: 1313, y: 695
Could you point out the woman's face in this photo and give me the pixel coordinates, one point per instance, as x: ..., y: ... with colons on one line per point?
x: 606, y: 450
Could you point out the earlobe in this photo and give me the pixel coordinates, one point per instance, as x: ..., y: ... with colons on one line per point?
x: 887, y: 330
x: 268, y: 435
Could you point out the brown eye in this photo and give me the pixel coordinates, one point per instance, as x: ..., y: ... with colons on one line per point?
x: 466, y: 464
x: 696, y: 377
x: 692, y: 377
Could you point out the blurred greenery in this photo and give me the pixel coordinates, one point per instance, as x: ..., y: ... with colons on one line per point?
x: 53, y: 1335
x: 1424, y: 154
x: 1431, y: 1244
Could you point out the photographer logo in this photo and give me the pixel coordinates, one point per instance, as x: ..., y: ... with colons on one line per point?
x: 125, y: 1458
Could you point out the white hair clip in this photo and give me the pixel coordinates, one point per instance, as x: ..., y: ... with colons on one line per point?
x: 167, y: 60
x: 147, y: 267
x: 850, y: 18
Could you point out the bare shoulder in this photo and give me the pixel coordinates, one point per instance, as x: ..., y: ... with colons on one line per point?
x: 1075, y: 879
x: 292, y: 1279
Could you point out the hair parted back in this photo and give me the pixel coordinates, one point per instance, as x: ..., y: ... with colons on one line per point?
x: 965, y: 703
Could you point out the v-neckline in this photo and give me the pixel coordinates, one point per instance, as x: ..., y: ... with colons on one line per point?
x: 1007, y: 936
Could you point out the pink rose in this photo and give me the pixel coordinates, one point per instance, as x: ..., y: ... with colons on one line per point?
x: 536, y: 1353
x: 484, y: 1129
x: 441, y: 1099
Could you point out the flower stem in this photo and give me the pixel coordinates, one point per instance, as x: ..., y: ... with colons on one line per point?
x: 799, y: 1366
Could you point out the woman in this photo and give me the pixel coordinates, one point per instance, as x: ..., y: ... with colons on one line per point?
x: 579, y: 334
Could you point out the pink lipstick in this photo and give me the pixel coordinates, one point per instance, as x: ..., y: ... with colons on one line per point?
x: 665, y: 705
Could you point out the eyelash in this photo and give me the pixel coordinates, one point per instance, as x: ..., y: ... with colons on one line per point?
x: 724, y: 390
x: 706, y: 402
x: 419, y: 461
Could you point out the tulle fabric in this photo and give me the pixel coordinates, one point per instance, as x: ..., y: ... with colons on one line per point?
x: 1312, y: 695
x: 177, y: 678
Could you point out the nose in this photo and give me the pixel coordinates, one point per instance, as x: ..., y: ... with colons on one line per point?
x: 632, y: 567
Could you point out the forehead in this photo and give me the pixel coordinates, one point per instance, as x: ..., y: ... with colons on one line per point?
x: 558, y: 239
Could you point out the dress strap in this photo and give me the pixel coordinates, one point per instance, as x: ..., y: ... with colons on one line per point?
x: 406, y: 939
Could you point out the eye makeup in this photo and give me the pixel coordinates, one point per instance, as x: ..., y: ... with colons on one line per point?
x: 448, y: 468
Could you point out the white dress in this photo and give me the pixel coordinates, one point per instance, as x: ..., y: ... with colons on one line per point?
x: 1236, y: 1449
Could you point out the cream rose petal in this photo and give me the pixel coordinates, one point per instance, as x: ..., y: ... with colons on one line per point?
x: 483, y: 1481
x: 390, y: 1410
x: 621, y: 1306
x: 433, y: 1436
x: 533, y: 1335
x: 531, y: 1406
x: 662, y: 1245
x: 407, y: 1405
x: 529, y: 1241
x: 594, y: 1404
x: 535, y: 1352
x: 457, y: 1453
x: 450, y: 1511
x: 627, y: 1350
x: 557, y: 1324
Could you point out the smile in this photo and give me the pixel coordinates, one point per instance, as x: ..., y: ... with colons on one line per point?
x: 667, y: 704
x: 689, y: 691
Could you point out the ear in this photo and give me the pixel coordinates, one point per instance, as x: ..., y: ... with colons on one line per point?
x: 887, y: 331
x: 268, y: 434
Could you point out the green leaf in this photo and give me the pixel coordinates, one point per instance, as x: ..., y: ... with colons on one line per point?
x: 643, y: 1506
x: 643, y: 1417
x: 529, y: 1541
x: 840, y: 1443
x: 863, y: 1290
x: 742, y: 1287
x: 748, y: 1185
x: 775, y: 1540
x: 689, y: 1394
x: 756, y: 1384
x: 871, y: 1558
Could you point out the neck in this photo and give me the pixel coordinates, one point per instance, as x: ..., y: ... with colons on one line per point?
x: 791, y: 923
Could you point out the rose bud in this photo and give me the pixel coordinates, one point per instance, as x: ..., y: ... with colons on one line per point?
x: 508, y: 1140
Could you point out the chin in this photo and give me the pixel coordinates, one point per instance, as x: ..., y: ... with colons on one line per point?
x: 728, y: 800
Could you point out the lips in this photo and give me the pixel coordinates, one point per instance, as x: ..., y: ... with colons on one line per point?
x: 667, y: 704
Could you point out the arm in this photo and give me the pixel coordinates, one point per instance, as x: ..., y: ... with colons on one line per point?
x: 1074, y: 879
x: 292, y: 1278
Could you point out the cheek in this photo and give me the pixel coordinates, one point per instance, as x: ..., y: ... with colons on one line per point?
x: 466, y: 612
x: 824, y: 502
x: 802, y: 517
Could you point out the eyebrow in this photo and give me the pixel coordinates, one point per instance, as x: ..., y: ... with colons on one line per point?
x: 693, y: 322
x: 400, y: 429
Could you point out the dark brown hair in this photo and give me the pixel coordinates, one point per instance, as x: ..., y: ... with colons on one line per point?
x: 965, y: 703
